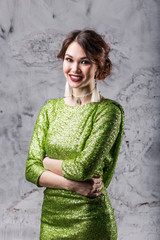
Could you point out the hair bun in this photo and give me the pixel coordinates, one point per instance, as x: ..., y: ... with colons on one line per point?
x: 108, y: 61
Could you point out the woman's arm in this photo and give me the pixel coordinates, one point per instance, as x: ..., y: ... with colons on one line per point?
x: 89, y: 188
x: 53, y: 165
x: 52, y: 180
x: 36, y: 153
x: 107, y: 124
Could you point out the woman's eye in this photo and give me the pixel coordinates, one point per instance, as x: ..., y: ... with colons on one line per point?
x: 69, y: 59
x: 85, y: 62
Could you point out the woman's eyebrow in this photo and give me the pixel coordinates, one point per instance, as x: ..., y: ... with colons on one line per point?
x: 72, y: 57
x: 68, y: 55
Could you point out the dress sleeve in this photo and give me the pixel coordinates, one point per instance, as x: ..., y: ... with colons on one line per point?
x: 34, y: 166
x: 105, y: 129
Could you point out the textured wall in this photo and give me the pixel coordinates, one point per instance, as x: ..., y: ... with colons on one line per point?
x: 31, y: 33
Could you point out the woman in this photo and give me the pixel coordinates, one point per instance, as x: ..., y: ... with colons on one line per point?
x: 75, y: 145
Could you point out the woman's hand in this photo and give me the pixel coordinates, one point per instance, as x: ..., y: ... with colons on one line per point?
x: 89, y: 188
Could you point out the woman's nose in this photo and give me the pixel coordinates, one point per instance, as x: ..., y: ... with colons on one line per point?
x: 75, y: 67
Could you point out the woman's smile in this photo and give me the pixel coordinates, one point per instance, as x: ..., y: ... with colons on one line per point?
x: 75, y: 78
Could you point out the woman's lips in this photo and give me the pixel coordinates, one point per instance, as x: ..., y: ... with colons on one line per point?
x: 75, y: 78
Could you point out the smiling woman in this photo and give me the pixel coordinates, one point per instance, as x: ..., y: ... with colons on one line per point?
x: 75, y: 146
x: 78, y: 70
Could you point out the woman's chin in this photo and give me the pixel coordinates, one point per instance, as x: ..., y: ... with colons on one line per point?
x: 75, y: 84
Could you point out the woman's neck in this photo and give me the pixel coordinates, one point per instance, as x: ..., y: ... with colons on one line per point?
x: 82, y: 91
x: 81, y: 96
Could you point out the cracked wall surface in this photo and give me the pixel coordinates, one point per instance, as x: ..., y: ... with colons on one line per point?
x: 31, y: 33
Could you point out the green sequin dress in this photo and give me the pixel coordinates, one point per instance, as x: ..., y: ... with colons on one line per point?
x: 87, y: 138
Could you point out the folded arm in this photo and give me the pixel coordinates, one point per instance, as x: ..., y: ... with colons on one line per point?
x: 38, y: 174
x: 103, y: 135
x: 34, y: 165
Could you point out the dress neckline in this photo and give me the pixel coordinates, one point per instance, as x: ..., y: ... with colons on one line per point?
x: 87, y: 104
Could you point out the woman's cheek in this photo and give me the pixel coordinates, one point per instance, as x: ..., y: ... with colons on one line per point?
x: 66, y: 67
x: 86, y: 70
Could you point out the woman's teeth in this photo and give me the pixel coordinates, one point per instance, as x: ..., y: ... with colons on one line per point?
x: 76, y: 77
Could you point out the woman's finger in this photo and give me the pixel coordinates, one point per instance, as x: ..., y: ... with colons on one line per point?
x: 96, y: 194
x: 97, y: 176
x: 97, y: 180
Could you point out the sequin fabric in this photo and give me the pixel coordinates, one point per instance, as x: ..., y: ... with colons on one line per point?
x: 87, y: 138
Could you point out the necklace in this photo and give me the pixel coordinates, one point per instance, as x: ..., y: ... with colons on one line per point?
x: 87, y: 94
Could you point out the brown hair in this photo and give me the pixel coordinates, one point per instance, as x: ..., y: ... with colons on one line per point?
x: 95, y: 47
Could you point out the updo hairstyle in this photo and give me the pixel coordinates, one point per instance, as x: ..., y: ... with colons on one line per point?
x: 94, y: 46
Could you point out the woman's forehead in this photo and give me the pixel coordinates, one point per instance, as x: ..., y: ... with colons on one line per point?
x: 74, y: 49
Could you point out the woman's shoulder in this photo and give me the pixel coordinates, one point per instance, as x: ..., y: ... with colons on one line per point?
x: 112, y: 108
x: 52, y: 102
x: 112, y: 104
x: 49, y: 105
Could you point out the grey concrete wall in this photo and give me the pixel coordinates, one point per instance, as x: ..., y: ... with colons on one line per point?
x: 31, y: 33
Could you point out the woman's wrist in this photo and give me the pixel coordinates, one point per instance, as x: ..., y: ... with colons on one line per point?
x: 71, y: 185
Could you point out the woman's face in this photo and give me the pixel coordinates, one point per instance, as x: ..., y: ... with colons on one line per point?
x: 77, y: 68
